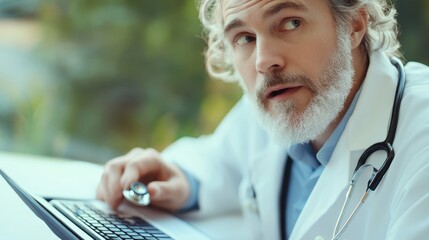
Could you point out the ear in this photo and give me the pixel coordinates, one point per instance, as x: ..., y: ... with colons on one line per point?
x: 359, y: 28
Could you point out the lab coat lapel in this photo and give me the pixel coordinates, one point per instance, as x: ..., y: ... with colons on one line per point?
x: 327, y: 190
x: 266, y: 174
x: 368, y: 124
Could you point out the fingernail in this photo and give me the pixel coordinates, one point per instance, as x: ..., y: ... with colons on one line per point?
x: 156, y: 191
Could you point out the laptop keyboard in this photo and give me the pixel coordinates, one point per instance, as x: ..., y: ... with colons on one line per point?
x: 113, y: 226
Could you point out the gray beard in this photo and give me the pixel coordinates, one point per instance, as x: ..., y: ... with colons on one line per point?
x: 285, y: 125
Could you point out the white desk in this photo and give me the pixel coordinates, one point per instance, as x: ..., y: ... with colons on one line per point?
x: 56, y: 177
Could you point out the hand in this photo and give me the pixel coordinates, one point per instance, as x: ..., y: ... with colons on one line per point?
x: 167, y: 184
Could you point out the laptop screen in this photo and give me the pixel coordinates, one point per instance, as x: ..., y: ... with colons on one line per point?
x: 23, y: 218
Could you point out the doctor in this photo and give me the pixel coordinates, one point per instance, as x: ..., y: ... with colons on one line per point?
x: 319, y: 89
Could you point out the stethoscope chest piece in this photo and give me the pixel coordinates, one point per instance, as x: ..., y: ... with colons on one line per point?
x: 138, y: 194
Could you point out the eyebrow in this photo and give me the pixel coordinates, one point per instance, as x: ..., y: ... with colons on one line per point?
x: 236, y: 23
x: 284, y: 5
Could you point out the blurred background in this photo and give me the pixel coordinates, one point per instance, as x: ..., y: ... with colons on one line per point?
x: 89, y: 80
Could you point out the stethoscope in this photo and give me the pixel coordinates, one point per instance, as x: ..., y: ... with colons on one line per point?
x: 377, y: 174
x: 137, y: 194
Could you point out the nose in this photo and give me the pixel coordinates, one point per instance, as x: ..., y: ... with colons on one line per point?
x: 268, y: 55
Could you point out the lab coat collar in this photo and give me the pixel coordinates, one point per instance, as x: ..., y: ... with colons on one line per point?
x: 369, y: 122
x: 367, y: 125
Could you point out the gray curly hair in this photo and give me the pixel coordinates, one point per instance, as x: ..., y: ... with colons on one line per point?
x: 381, y: 35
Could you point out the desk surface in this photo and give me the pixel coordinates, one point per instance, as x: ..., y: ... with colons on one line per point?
x: 57, y: 177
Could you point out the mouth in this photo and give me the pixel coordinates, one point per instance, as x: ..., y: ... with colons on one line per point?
x: 281, y: 92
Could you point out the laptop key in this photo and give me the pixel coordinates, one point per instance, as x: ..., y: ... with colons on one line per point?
x: 160, y: 235
x: 137, y: 237
x: 102, y: 228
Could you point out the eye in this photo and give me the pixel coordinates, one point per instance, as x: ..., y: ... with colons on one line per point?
x: 243, y: 39
x: 291, y: 24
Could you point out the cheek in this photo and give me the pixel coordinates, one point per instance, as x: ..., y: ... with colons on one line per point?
x: 246, y: 70
x: 315, y: 50
x: 313, y: 60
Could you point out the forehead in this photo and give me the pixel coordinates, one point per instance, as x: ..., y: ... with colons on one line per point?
x: 231, y: 8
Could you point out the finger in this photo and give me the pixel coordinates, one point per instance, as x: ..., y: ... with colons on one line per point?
x: 164, y: 190
x: 170, y: 195
x: 102, y: 185
x: 114, y: 191
x: 111, y: 186
x: 145, y: 163
x: 155, y: 191
x: 131, y: 174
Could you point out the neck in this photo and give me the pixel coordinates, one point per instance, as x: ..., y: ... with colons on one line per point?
x: 360, y: 64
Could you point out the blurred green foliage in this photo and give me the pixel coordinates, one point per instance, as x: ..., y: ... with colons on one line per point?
x: 107, y: 76
x: 127, y: 66
x: 127, y: 73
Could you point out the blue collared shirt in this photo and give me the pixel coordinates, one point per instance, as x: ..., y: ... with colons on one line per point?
x: 307, y: 166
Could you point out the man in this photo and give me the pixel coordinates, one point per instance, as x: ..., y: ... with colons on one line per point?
x: 317, y: 77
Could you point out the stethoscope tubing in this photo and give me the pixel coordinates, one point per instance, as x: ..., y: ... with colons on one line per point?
x: 386, y: 145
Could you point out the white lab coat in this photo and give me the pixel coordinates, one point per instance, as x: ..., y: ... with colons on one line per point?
x: 239, y: 157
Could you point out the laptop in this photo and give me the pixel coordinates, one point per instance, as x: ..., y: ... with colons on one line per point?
x: 88, y: 219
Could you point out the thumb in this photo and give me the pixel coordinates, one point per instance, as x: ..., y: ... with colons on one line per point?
x: 161, y: 190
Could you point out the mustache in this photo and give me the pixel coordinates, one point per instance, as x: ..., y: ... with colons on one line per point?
x: 277, y: 78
